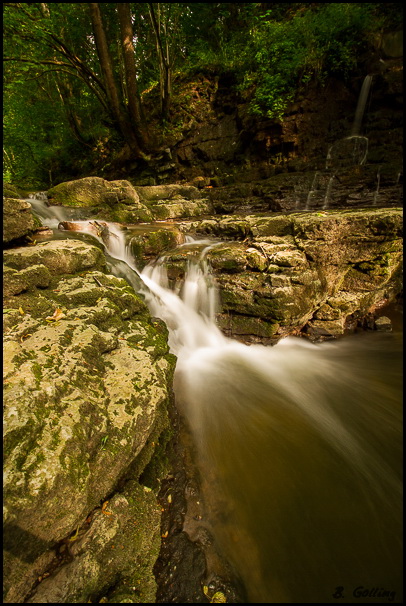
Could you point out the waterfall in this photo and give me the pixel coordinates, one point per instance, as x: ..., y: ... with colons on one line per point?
x: 328, y: 192
x: 299, y: 444
x: 378, y: 181
x: 312, y: 190
x: 362, y: 100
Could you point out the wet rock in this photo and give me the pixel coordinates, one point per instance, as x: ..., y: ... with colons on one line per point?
x: 301, y: 267
x: 153, y: 242
x: 183, y: 587
x: 383, y: 324
x: 325, y: 328
x: 115, y: 200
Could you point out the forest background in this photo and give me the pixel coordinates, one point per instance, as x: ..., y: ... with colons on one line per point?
x: 88, y: 86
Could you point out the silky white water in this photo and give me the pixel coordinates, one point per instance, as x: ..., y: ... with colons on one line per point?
x: 299, y: 445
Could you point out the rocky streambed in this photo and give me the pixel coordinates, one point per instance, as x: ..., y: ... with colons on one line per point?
x: 92, y: 493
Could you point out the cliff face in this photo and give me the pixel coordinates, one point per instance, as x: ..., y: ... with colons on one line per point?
x: 220, y: 144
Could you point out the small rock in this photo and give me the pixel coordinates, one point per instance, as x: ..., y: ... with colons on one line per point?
x: 383, y: 324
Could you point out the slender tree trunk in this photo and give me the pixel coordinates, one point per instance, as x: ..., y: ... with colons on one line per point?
x: 164, y: 64
x: 64, y: 89
x: 106, y: 65
x: 134, y: 100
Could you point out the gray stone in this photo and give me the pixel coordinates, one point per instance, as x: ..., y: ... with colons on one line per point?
x: 18, y: 220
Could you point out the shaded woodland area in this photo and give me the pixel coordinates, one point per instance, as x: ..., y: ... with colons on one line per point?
x: 96, y: 88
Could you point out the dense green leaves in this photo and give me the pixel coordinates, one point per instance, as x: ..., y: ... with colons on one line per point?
x: 323, y: 40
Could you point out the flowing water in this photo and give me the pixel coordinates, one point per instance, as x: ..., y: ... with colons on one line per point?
x: 362, y: 101
x: 299, y: 445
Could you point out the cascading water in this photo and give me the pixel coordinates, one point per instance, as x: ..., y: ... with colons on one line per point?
x: 362, y: 101
x: 349, y: 151
x: 299, y: 445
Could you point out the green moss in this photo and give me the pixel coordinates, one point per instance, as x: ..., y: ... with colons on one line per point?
x: 37, y: 371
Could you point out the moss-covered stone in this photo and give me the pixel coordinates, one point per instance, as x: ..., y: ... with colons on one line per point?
x: 178, y: 208
x: 115, y: 200
x: 152, y: 243
x: 11, y: 191
x: 58, y: 256
x: 113, y: 556
x: 18, y: 220
x: 87, y: 385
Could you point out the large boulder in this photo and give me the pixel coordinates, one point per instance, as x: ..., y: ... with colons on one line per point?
x: 58, y: 256
x: 113, y: 200
x: 87, y: 386
x: 18, y: 220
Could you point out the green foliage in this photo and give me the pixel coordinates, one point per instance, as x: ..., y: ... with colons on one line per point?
x: 58, y: 122
x: 314, y: 43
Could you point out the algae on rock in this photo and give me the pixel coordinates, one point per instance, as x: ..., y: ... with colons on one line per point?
x: 86, y: 395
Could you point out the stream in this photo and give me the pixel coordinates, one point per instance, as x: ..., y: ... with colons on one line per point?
x: 298, y: 445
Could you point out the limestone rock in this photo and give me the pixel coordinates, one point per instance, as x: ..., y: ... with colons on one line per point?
x: 18, y: 220
x: 152, y: 243
x: 87, y: 385
x: 174, y: 201
x: 153, y: 193
x: 59, y: 256
x: 299, y: 268
x: 383, y: 324
x: 118, y: 200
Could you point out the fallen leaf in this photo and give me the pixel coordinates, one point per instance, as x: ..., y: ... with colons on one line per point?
x: 25, y: 336
x: 169, y: 498
x: 218, y: 598
x: 104, y: 509
x: 57, y: 315
x: 164, y: 535
x: 22, y: 312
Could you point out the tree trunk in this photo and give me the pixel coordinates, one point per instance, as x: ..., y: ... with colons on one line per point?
x: 134, y: 100
x: 106, y: 65
x: 64, y: 88
x: 164, y: 65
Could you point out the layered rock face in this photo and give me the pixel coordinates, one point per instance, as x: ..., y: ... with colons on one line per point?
x: 87, y: 378
x: 309, y: 160
x: 311, y: 272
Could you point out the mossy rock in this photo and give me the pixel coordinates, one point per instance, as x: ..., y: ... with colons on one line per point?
x: 11, y: 191
x: 59, y: 256
x: 118, y: 197
x: 92, y: 375
x: 18, y: 220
